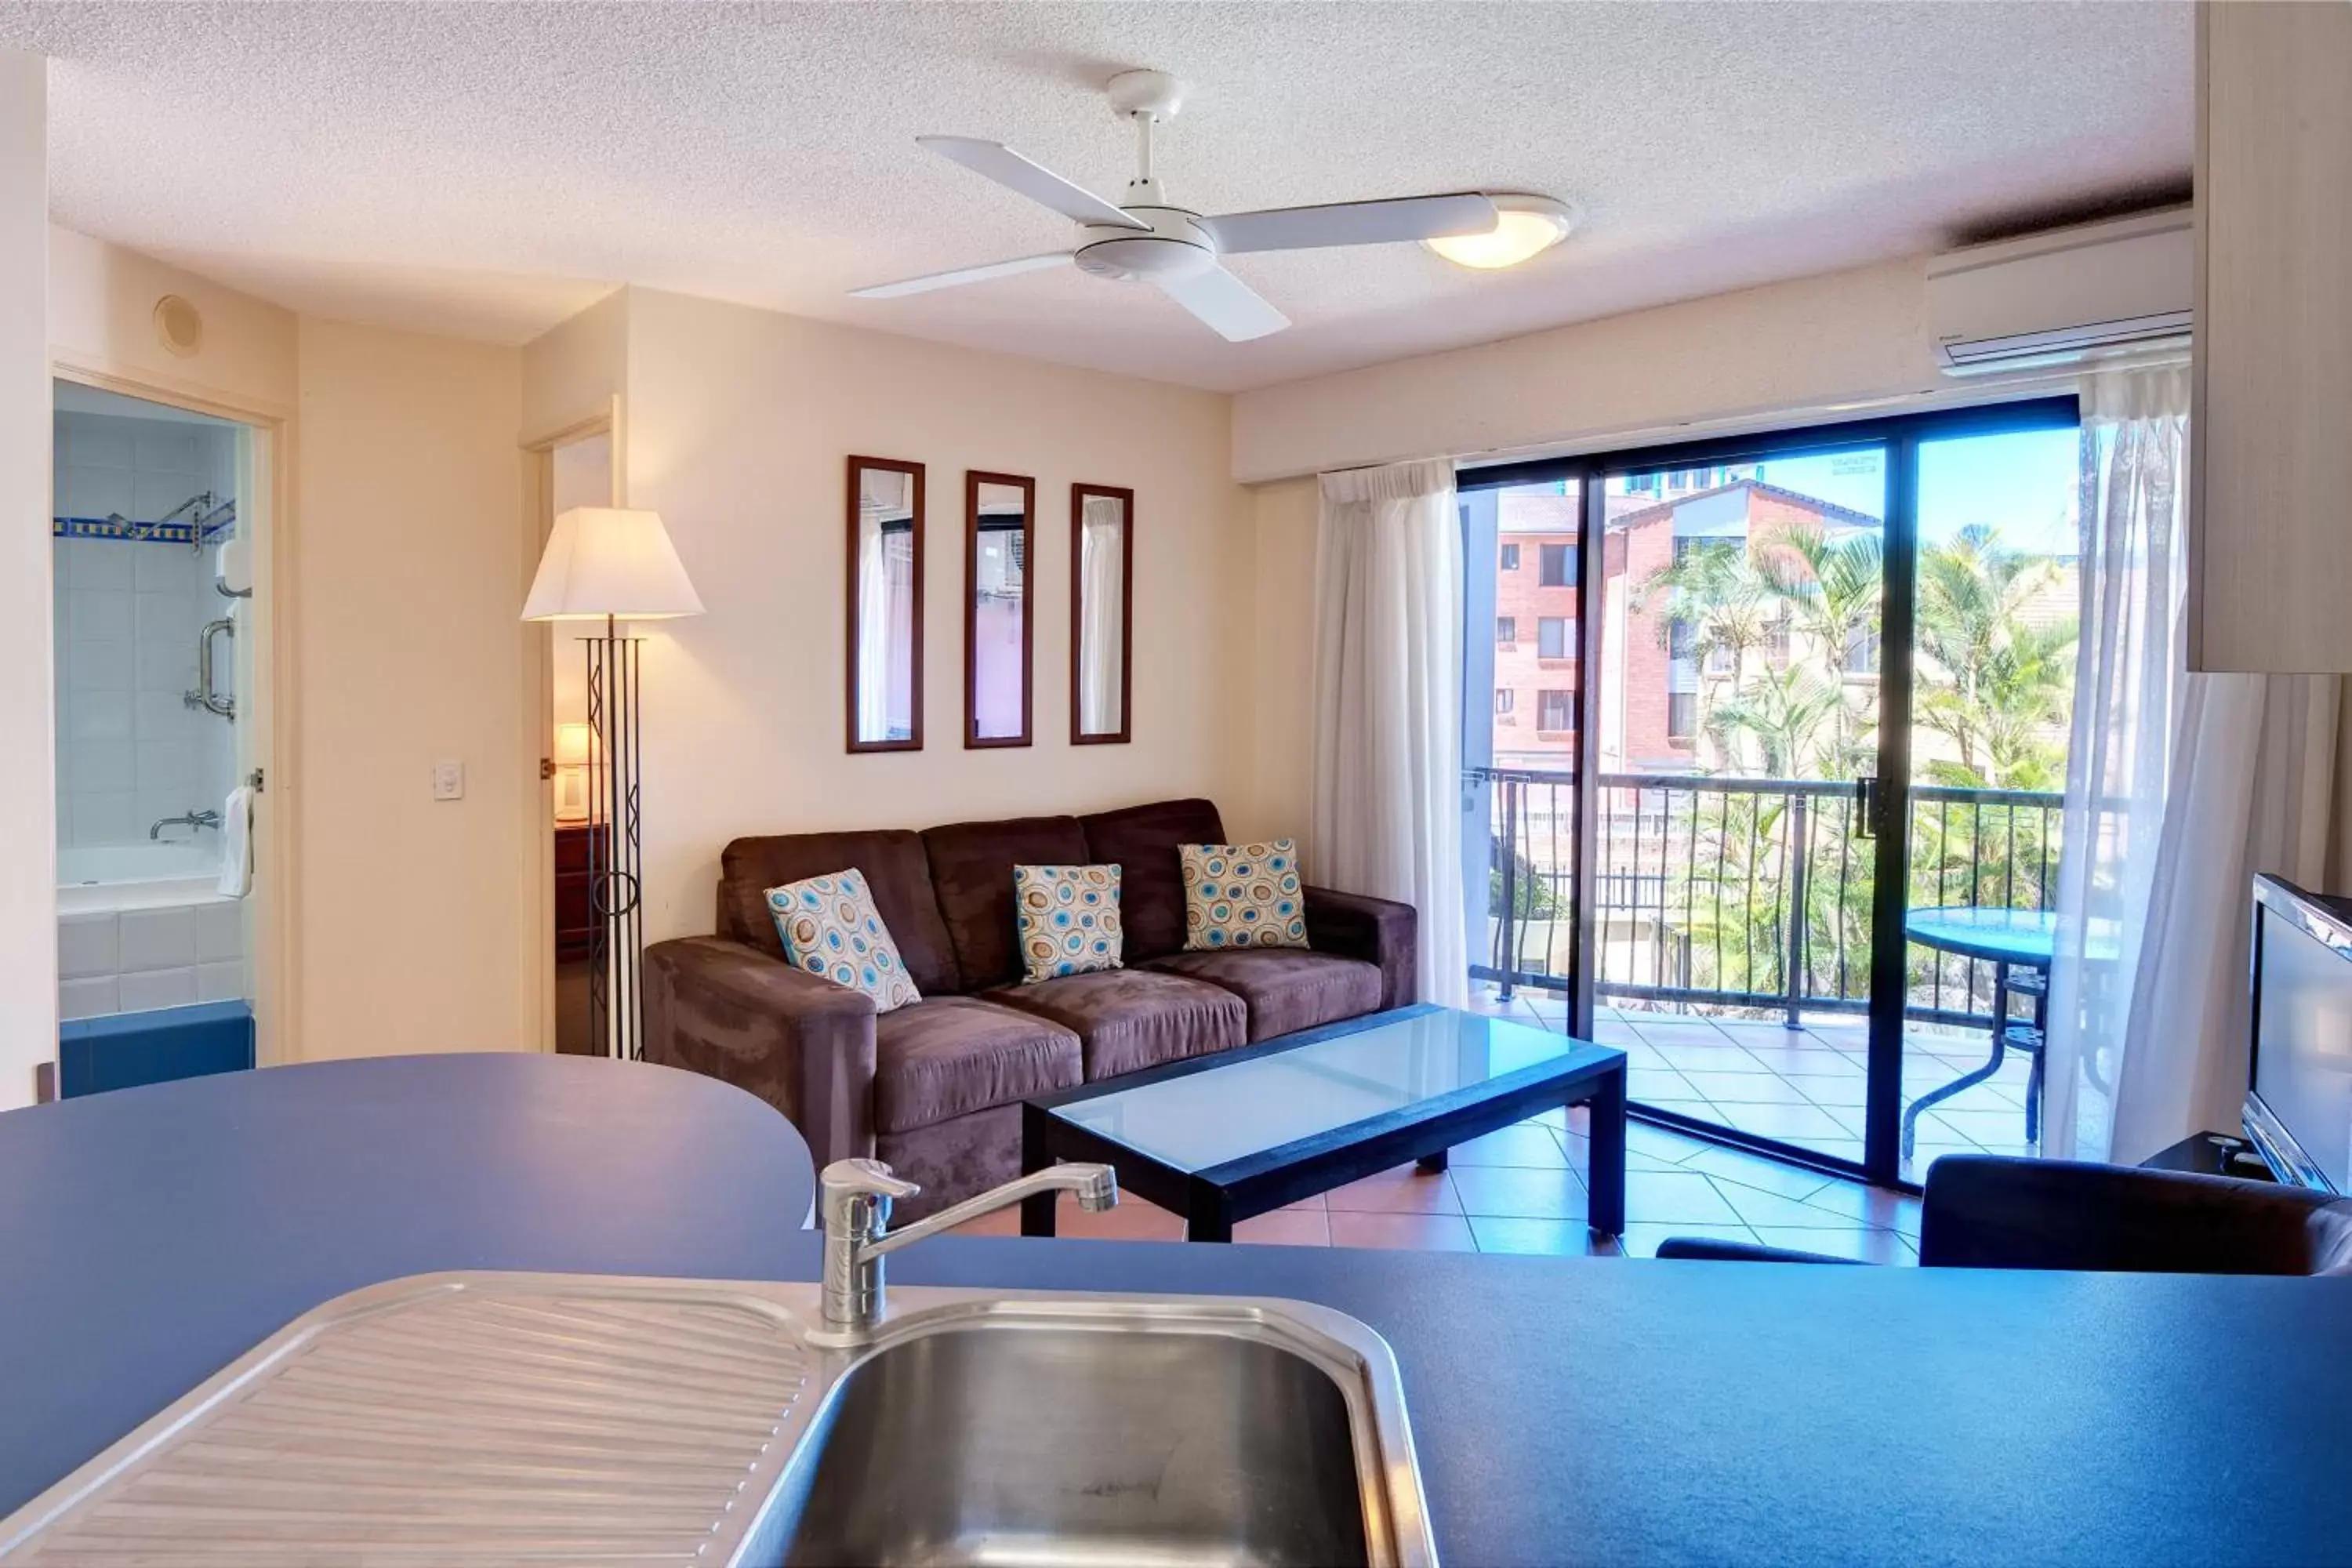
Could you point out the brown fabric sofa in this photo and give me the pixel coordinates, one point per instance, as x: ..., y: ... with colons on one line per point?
x: 936, y: 1088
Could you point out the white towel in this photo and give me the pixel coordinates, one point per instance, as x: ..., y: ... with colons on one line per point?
x: 237, y: 844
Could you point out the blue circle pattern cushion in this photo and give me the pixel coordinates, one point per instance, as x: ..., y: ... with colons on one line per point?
x: 1243, y: 895
x: 831, y: 929
x: 1068, y: 919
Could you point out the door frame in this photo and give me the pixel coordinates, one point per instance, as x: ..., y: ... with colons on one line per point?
x: 273, y: 708
x: 1901, y: 436
x: 537, y: 959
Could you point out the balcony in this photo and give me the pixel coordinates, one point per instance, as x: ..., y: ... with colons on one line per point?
x: 1730, y: 924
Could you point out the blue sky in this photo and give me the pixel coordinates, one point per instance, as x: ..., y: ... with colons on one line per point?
x: 2024, y: 483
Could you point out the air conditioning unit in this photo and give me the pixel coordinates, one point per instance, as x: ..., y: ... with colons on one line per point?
x: 2070, y: 295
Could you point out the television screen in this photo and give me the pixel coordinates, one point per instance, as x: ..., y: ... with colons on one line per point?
x: 2300, y: 1112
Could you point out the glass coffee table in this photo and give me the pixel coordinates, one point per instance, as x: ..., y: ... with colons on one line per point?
x: 1219, y: 1139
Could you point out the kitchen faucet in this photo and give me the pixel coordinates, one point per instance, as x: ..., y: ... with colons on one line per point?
x: 853, y: 1200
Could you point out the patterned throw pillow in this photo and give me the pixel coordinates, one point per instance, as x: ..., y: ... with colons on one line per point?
x: 830, y: 928
x: 1243, y: 895
x: 1069, y: 919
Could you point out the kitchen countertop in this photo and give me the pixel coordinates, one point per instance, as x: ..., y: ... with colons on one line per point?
x: 1565, y: 1410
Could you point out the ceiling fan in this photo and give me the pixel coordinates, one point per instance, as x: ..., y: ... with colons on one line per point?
x: 1147, y: 241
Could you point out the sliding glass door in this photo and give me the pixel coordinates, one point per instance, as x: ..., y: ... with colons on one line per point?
x: 1706, y: 686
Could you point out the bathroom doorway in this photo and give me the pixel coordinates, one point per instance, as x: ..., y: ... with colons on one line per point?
x: 161, y: 573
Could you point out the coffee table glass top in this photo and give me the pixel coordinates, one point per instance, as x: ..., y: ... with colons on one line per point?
x: 1230, y: 1108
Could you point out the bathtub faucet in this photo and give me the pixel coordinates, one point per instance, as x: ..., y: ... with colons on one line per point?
x: 194, y: 819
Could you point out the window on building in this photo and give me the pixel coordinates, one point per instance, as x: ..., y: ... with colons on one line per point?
x: 1510, y: 562
x: 1862, y: 653
x: 1506, y: 630
x: 1558, y: 566
x: 1681, y: 715
x: 1555, y: 710
x: 1505, y: 700
x: 1553, y: 636
x: 1678, y: 639
x: 1779, y: 639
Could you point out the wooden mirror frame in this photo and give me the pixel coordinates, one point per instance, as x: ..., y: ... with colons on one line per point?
x: 973, y: 479
x: 1125, y: 497
x: 914, y: 742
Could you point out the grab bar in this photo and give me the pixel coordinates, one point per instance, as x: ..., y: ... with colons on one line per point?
x: 204, y: 696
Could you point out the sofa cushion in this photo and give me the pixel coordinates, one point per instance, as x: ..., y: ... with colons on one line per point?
x: 1068, y: 919
x: 1142, y: 840
x: 897, y: 871
x: 1134, y: 1018
x: 1286, y: 989
x: 1243, y: 895
x: 971, y: 871
x: 952, y: 1055
x: 831, y: 929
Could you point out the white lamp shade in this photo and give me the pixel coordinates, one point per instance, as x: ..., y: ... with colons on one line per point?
x: 610, y: 561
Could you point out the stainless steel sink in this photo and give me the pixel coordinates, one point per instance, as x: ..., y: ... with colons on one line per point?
x: 495, y: 1418
x: 1109, y: 1436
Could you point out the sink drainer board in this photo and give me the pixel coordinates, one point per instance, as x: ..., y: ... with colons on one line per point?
x: 488, y: 1419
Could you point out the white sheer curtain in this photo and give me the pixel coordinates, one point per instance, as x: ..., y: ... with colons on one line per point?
x: 2180, y: 788
x: 1102, y: 558
x: 1387, y: 695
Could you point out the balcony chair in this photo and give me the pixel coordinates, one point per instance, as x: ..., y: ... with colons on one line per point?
x: 1986, y: 1211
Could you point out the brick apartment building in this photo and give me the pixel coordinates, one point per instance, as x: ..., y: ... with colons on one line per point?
x: 1650, y: 719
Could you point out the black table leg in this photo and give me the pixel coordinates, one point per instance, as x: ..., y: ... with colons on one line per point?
x: 1431, y: 1163
x: 1207, y: 1217
x: 1604, y: 1180
x: 1037, y: 1211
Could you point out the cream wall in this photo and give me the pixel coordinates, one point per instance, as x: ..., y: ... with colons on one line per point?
x: 739, y: 424
x: 102, y: 317
x: 1846, y: 337
x: 28, y: 873
x: 409, y: 579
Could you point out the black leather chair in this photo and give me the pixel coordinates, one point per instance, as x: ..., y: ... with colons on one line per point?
x: 1985, y: 1211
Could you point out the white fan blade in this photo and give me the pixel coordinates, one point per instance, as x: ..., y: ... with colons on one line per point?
x: 931, y: 280
x: 1041, y: 184
x: 1353, y: 222
x: 1227, y: 304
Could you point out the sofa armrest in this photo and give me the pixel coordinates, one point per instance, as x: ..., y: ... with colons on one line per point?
x: 1377, y: 931
x: 1983, y: 1211
x: 799, y: 1042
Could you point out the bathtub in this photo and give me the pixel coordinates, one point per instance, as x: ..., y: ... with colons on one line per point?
x: 158, y: 874
x: 143, y: 925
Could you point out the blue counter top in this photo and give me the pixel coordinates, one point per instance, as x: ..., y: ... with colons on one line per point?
x: 1566, y: 1410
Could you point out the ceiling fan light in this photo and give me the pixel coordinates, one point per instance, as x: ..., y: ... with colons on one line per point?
x: 1524, y: 228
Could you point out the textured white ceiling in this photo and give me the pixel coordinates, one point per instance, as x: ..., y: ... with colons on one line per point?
x: 488, y: 169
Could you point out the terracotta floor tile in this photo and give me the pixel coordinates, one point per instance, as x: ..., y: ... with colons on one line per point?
x: 1419, y: 1232
x: 1855, y: 1204
x: 1529, y: 1144
x: 1132, y: 1220
x: 1305, y: 1206
x: 1286, y: 1228
x: 1759, y: 1209
x: 1676, y: 1198
x: 1719, y: 1056
x: 1552, y: 1238
x: 1791, y: 1123
x: 1401, y: 1190
x: 1640, y: 1239
x: 1661, y: 1142
x: 1502, y: 1193
x: 1754, y: 1171
x: 1840, y: 1241
x: 1747, y: 1089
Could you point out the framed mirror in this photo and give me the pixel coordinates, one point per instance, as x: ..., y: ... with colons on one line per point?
x: 1102, y: 606
x: 1000, y: 538
x: 885, y: 606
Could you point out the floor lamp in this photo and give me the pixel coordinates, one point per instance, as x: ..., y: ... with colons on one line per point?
x: 612, y: 565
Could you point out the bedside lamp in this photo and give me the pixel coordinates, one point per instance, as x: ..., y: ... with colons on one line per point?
x: 573, y: 754
x: 612, y: 565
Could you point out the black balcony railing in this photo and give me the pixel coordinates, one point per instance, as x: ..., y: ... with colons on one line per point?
x: 1748, y: 893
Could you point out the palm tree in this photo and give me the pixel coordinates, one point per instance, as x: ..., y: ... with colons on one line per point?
x: 1782, y: 711
x: 1994, y: 683
x: 1835, y: 587
x: 1716, y: 591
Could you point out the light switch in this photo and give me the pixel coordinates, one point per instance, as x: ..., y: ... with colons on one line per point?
x: 449, y: 781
